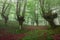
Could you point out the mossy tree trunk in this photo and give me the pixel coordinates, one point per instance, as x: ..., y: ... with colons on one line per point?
x: 48, y: 16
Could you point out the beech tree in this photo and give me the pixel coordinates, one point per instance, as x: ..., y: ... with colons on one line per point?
x: 5, y: 11
x: 48, y: 16
x: 20, y: 18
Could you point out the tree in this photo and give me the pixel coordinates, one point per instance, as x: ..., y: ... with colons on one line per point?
x: 5, y: 11
x: 35, y: 16
x: 20, y: 18
x: 48, y: 16
x: 35, y: 13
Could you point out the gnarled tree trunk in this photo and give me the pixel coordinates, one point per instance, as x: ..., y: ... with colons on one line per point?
x: 48, y: 16
x: 20, y: 18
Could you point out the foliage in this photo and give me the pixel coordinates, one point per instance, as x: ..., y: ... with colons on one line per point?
x: 29, y: 16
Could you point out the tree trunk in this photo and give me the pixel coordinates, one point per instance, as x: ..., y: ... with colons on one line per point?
x: 37, y: 22
x: 20, y: 25
x: 52, y: 24
x: 50, y: 18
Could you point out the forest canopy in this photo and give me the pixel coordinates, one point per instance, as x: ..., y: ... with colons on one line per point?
x: 32, y: 11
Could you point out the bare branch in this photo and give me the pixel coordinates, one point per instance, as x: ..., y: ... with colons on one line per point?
x: 42, y: 6
x: 3, y: 7
x: 7, y: 6
x: 23, y: 13
x: 9, y: 9
x: 18, y: 8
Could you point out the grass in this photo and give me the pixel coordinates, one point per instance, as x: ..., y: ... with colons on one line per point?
x: 41, y: 34
x: 37, y: 35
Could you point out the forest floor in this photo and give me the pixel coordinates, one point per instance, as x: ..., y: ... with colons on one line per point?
x: 12, y: 32
x: 31, y: 33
